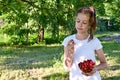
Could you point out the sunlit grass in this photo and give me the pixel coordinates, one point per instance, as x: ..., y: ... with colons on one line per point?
x: 44, y: 62
x: 106, y: 33
x: 112, y: 53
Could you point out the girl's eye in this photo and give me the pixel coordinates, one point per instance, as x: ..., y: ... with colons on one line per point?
x: 84, y: 23
x: 78, y: 21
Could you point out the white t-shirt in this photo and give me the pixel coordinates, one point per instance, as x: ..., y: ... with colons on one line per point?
x: 83, y: 50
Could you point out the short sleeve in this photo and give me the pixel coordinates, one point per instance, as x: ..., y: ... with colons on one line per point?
x: 65, y: 41
x: 98, y: 44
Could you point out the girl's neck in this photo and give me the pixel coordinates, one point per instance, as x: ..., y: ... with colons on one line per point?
x: 82, y: 36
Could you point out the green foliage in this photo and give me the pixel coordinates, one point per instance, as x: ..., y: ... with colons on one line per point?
x: 22, y: 32
x: 59, y: 40
x: 9, y: 29
x: 115, y: 24
x: 14, y: 40
x: 58, y: 16
x: 51, y: 41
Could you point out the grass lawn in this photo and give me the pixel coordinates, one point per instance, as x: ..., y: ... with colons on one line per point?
x: 45, y: 62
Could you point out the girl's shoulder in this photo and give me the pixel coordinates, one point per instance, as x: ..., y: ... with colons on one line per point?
x: 95, y: 39
x: 70, y: 37
x: 96, y: 43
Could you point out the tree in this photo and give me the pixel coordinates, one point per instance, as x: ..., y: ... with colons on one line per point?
x: 57, y: 17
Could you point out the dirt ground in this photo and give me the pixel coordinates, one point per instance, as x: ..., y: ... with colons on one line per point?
x: 115, y: 37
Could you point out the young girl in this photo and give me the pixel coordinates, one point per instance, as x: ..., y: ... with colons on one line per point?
x: 82, y: 46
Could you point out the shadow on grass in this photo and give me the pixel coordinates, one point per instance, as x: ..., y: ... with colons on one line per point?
x: 114, y: 67
x: 65, y: 76
x: 43, y: 57
x: 29, y: 57
x: 56, y: 76
x: 112, y: 78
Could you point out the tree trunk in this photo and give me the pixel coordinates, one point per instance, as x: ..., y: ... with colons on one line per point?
x: 41, y: 35
x: 27, y: 33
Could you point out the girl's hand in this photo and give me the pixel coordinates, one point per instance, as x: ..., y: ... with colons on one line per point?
x: 70, y: 45
x: 70, y: 53
x: 70, y: 48
x: 90, y: 73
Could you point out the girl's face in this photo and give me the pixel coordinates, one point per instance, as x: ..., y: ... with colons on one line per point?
x: 82, y: 23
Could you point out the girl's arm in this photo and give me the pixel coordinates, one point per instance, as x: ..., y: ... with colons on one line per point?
x: 101, y: 66
x: 68, y: 55
x: 101, y: 57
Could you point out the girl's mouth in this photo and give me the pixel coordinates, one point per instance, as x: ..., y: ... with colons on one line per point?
x: 79, y: 28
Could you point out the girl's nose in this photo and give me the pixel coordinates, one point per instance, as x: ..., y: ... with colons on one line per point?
x: 80, y: 24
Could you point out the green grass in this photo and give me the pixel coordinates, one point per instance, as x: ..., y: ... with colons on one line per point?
x: 30, y: 63
x: 45, y: 62
x: 106, y: 34
x: 112, y: 53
